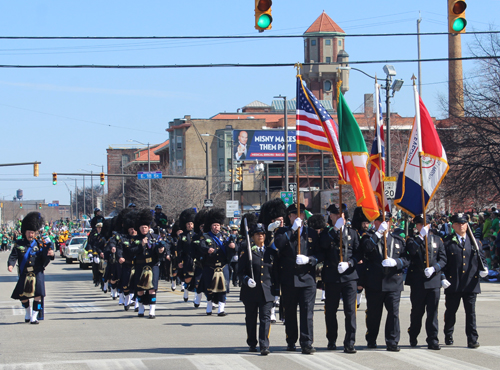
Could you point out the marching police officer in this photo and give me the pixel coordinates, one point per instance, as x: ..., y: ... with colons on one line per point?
x: 297, y: 277
x: 161, y: 220
x: 186, y: 253
x: 340, y: 277
x: 384, y: 264
x: 256, y: 276
x: 465, y: 264
x: 425, y: 282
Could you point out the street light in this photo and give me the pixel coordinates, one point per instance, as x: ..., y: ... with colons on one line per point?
x: 149, y: 170
x: 390, y: 71
x: 232, y: 161
x: 102, y: 170
x: 286, y: 140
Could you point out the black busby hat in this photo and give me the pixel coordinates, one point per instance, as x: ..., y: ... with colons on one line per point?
x: 358, y: 218
x: 32, y: 221
x: 107, y: 228
x: 293, y: 208
x: 460, y: 218
x: 144, y: 217
x: 188, y: 215
x: 271, y: 210
x: 251, y: 222
x: 214, y: 216
x: 333, y: 209
x: 316, y: 221
x: 117, y: 221
x: 199, y: 219
x: 257, y: 228
x: 128, y: 220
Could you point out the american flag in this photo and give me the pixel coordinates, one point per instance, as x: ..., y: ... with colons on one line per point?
x: 315, y: 127
x: 377, y: 155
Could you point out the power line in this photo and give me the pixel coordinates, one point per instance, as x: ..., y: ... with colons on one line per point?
x: 227, y: 65
x: 229, y: 37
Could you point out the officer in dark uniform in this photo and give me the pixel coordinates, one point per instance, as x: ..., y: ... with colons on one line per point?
x: 161, y: 220
x: 383, y: 281
x: 256, y: 293
x: 199, y: 221
x: 297, y: 277
x: 340, y: 277
x: 185, y: 250
x: 95, y: 246
x: 465, y: 265
x: 32, y: 257
x: 147, y: 262
x: 98, y: 218
x: 425, y: 282
x: 216, y: 254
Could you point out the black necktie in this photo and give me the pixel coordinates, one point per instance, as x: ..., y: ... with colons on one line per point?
x: 463, y: 243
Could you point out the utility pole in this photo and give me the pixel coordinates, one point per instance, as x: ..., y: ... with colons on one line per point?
x: 419, y: 63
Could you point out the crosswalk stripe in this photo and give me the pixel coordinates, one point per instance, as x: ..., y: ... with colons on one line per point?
x: 17, y: 311
x: 323, y: 361
x: 222, y: 362
x: 116, y: 364
x: 490, y: 350
x: 430, y: 360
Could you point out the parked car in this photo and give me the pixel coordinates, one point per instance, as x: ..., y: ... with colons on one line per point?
x: 83, y: 257
x: 73, y: 247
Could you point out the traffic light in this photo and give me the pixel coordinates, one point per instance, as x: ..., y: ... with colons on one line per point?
x: 35, y: 169
x: 102, y: 178
x: 20, y: 205
x: 54, y: 178
x: 239, y: 174
x: 114, y: 204
x: 39, y: 205
x: 456, y: 16
x: 263, y: 18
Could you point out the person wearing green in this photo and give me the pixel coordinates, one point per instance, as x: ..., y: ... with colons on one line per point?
x: 487, y: 226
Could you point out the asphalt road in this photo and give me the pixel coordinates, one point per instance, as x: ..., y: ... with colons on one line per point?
x: 86, y: 329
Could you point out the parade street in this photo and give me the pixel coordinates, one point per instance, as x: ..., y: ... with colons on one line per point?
x: 86, y: 329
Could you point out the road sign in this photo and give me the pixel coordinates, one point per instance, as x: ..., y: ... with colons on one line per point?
x: 236, y: 213
x: 231, y: 207
x: 208, y: 203
x: 292, y: 187
x: 287, y: 197
x: 53, y: 205
x: 149, y: 175
x: 390, y: 189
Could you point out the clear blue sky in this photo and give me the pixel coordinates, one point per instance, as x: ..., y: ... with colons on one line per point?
x: 66, y: 118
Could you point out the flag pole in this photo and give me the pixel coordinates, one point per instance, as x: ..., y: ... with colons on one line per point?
x: 341, y: 212
x: 420, y: 154
x: 379, y: 151
x: 298, y: 66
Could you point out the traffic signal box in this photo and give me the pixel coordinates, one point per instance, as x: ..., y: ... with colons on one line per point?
x: 35, y: 169
x: 263, y: 18
x: 456, y: 16
x: 239, y: 174
x: 102, y: 178
x: 54, y: 178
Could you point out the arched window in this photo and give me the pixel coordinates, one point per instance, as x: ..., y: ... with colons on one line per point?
x: 328, y: 85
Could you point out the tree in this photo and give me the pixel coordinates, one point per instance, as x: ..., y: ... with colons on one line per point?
x: 472, y: 141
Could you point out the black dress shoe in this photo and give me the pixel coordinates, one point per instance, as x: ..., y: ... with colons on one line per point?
x: 265, y: 351
x: 350, y: 349
x: 291, y: 348
x: 152, y: 316
x: 413, y: 343
x: 252, y: 349
x: 371, y: 345
x: 308, y: 350
x: 26, y: 320
x: 448, y: 340
x: 331, y: 347
x: 473, y: 345
x: 196, y: 305
x: 140, y: 315
x: 393, y: 348
x: 221, y: 313
x: 186, y: 299
x: 126, y: 307
x: 434, y: 346
x: 36, y: 323
x: 209, y: 313
x: 136, y: 309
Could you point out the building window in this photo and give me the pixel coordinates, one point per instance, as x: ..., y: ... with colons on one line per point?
x: 125, y: 159
x: 179, y: 163
x: 328, y: 59
x: 313, y: 42
x: 179, y: 142
x: 340, y: 43
x: 221, y: 143
x: 221, y: 165
x: 328, y: 42
x: 328, y: 85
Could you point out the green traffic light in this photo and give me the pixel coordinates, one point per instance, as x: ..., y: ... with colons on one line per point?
x: 54, y: 182
x: 264, y: 21
x: 459, y: 24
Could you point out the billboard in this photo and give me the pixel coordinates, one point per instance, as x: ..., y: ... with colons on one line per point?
x: 264, y: 145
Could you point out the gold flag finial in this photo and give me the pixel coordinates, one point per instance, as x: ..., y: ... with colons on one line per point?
x: 414, y: 79
x: 298, y: 66
x: 339, y: 83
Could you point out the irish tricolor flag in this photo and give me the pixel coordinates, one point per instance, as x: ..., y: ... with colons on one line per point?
x: 355, y: 157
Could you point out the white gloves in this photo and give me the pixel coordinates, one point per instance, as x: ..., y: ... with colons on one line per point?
x: 302, y: 260
x: 429, y: 271
x: 251, y: 283
x: 445, y: 283
x: 96, y: 259
x: 382, y: 228
x: 297, y: 223
x: 340, y: 222
x: 342, y: 267
x: 389, y: 262
x: 47, y: 240
x: 273, y: 226
x: 483, y: 273
x: 424, y: 231
x: 91, y: 257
